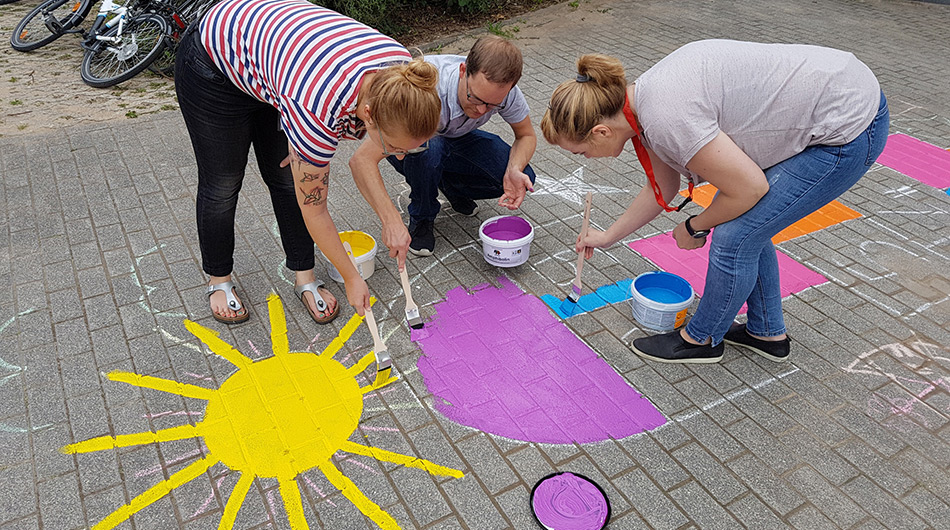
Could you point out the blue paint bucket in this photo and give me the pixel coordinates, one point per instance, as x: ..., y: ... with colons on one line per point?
x: 660, y: 300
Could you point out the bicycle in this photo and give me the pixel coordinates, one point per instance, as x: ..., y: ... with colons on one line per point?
x: 123, y: 40
x: 120, y: 46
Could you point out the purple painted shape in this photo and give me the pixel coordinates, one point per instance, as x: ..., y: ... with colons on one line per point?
x: 691, y: 265
x: 509, y: 228
x: 565, y: 501
x: 497, y: 360
x: 917, y: 159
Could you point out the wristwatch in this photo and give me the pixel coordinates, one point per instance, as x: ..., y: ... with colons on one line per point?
x: 697, y: 234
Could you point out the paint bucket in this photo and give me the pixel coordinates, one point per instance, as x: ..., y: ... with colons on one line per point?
x: 569, y: 501
x: 364, y: 252
x: 506, y: 240
x: 660, y: 300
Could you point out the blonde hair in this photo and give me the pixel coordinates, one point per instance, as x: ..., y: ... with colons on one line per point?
x: 578, y: 105
x: 405, y: 96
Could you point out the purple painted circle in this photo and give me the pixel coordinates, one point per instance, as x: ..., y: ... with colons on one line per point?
x: 566, y: 501
x: 509, y: 228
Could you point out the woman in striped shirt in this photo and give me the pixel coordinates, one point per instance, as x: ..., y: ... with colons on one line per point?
x: 293, y: 79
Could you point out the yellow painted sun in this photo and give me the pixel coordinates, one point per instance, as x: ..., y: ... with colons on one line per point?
x: 276, y: 417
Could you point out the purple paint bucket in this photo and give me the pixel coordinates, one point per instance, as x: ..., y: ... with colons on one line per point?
x: 569, y: 501
x: 506, y: 240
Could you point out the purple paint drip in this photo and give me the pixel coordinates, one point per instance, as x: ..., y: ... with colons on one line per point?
x: 497, y: 360
x: 509, y: 228
x: 565, y: 501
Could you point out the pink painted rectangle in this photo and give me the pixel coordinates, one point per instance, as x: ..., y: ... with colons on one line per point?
x: 691, y: 265
x: 917, y: 159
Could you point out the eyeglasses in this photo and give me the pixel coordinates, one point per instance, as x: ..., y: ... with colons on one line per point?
x: 475, y: 100
x: 400, y: 152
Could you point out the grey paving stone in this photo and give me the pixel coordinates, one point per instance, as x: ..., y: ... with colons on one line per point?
x: 427, y: 502
x: 803, y: 445
x: 712, y: 437
x: 655, y: 461
x: 876, y: 468
x: 649, y: 501
x: 928, y: 506
x: 704, y: 511
x: 60, y: 506
x: 825, y: 497
x: 31, y: 522
x: 609, y: 457
x: 486, y: 462
x: 18, y: 493
x: 516, y: 506
x: 530, y: 464
x: 881, y: 504
x: 752, y: 513
x: 767, y: 485
x: 473, y: 505
x: 810, y: 517
x: 711, y: 474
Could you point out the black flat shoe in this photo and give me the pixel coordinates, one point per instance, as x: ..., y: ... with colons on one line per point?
x: 772, y: 350
x: 671, y: 348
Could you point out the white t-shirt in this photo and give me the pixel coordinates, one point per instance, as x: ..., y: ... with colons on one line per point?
x: 773, y: 100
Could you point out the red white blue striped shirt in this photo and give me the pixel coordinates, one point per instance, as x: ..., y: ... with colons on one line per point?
x: 305, y: 60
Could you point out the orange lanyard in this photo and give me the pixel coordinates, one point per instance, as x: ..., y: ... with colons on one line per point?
x: 644, y: 158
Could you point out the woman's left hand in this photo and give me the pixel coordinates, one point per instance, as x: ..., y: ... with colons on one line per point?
x: 686, y: 241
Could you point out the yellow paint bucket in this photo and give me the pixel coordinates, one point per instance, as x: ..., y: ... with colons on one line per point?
x: 364, y: 252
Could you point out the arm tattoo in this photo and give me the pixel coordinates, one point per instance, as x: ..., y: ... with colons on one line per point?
x: 319, y: 176
x: 314, y: 196
x: 310, y: 177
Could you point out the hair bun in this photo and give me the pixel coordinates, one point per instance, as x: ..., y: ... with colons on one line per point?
x: 421, y: 74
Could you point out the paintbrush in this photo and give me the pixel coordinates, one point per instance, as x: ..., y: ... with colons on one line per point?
x: 575, y: 294
x: 384, y: 362
x: 412, y: 310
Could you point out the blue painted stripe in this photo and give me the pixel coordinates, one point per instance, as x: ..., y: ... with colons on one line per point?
x: 603, y: 296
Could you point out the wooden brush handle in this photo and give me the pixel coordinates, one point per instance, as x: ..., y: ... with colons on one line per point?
x: 368, y: 313
x: 406, y: 287
x: 584, y: 227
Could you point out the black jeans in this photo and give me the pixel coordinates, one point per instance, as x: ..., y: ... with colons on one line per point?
x: 223, y: 122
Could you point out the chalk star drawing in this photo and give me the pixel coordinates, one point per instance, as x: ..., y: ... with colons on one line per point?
x: 572, y: 188
x: 276, y: 417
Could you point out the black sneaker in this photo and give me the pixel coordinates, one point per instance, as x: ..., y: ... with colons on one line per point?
x: 671, y: 348
x: 463, y: 205
x: 423, y: 237
x: 772, y: 350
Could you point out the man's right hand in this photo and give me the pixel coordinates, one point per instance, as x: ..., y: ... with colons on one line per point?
x: 396, y: 238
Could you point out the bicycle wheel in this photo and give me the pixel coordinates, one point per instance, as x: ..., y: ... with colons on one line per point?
x: 48, y: 22
x: 110, y: 63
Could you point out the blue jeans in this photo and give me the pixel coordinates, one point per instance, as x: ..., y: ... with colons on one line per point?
x: 743, y: 267
x: 223, y: 122
x: 471, y: 166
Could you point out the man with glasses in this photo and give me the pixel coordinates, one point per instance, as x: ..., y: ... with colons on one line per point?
x: 467, y: 164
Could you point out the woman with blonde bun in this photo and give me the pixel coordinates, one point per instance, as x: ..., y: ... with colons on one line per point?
x: 779, y: 129
x: 293, y: 79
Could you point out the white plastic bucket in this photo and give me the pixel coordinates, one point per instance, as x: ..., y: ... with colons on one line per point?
x: 506, y: 240
x: 660, y: 300
x: 364, y: 252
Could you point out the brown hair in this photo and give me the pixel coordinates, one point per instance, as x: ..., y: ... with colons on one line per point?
x: 405, y: 96
x: 578, y: 105
x: 497, y: 58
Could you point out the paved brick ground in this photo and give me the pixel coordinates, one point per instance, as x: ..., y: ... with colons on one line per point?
x: 99, y: 251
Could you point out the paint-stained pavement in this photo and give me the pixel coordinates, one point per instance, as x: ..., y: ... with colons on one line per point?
x: 99, y: 253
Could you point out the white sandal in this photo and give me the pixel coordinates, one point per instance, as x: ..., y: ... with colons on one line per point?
x: 233, y: 303
x: 321, y: 304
